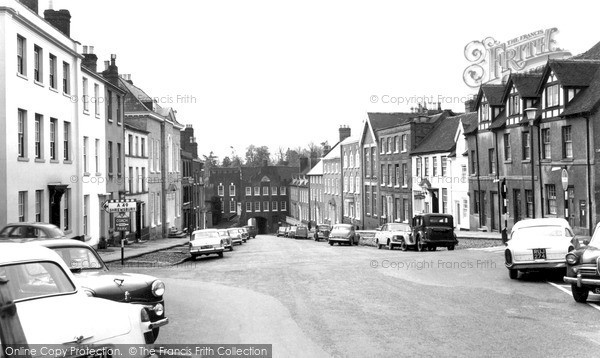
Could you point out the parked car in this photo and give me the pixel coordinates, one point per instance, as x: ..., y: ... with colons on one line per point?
x: 301, y: 232
x: 292, y: 231
x: 23, y: 232
x: 92, y: 275
x: 430, y: 231
x: 252, y: 231
x: 583, y: 268
x: 322, y: 232
x: 53, y: 309
x: 227, y: 239
x: 538, y: 244
x: 206, y: 242
x: 238, y: 234
x: 343, y: 233
x: 393, y: 235
x: 282, y: 231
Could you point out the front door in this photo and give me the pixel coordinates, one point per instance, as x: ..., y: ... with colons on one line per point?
x: 517, y: 205
x: 494, y: 211
x: 435, y: 203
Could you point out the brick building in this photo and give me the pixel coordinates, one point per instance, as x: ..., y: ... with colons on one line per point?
x: 352, y: 183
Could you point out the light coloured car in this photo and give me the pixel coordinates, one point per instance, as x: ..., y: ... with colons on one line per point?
x: 393, y: 235
x: 23, y: 232
x: 52, y: 309
x: 206, y: 242
x: 282, y: 231
x: 227, y: 239
x: 343, y: 234
x: 96, y: 280
x: 238, y: 235
x: 538, y: 244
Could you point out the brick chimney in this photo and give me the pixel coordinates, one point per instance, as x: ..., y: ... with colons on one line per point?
x: 90, y: 60
x: 60, y: 19
x: 304, y: 165
x: 111, y: 73
x: 32, y: 4
x: 345, y: 132
x: 470, y: 105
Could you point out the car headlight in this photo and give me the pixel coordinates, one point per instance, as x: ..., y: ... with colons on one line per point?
x: 158, y: 288
x: 571, y: 259
x: 159, y: 309
x: 508, y: 256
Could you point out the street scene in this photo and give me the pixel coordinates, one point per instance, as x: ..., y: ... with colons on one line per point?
x: 267, y: 179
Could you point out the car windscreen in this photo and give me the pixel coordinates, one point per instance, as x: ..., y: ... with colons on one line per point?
x: 538, y: 231
x: 80, y: 258
x: 36, y: 279
x: 223, y: 233
x: 340, y: 229
x: 205, y: 235
x: 323, y: 227
x: 440, y: 220
x: 399, y: 227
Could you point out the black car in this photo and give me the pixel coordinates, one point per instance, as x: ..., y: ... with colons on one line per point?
x: 252, y: 231
x: 583, y: 265
x: 322, y: 232
x: 96, y: 280
x: 431, y: 231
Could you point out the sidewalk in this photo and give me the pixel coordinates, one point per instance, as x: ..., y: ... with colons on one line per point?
x: 113, y: 253
x: 461, y: 234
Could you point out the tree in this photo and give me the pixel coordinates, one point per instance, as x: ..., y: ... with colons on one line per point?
x: 292, y: 157
x: 210, y: 161
x: 281, y: 157
x: 226, y: 163
x: 236, y: 161
x: 255, y: 156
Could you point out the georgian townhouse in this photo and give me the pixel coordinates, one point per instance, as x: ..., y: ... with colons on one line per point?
x: 40, y: 170
x: 136, y: 183
x: 315, y: 183
x: 352, y: 185
x: 440, y: 170
x: 193, y: 205
x: 299, y: 207
x: 332, y: 186
x: 164, y: 169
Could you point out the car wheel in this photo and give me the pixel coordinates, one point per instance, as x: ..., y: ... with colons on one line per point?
x: 433, y: 248
x: 451, y: 248
x: 231, y: 247
x: 580, y: 294
x: 420, y: 246
x: 330, y: 243
x: 403, y: 246
x: 513, y: 274
x: 390, y: 245
x: 220, y: 254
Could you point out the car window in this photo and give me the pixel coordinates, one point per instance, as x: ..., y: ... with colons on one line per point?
x: 439, y: 220
x: 5, y: 232
x: 538, y: 231
x: 205, y: 235
x: 79, y: 258
x: 36, y: 279
x: 568, y: 232
x: 399, y: 227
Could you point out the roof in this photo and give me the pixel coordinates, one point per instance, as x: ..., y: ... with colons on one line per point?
x: 493, y: 94
x: 22, y: 252
x: 317, y: 169
x: 60, y: 243
x: 540, y: 222
x: 591, y: 54
x: 574, y: 73
x: 441, y: 137
x: 499, y: 121
x: 136, y: 128
x: 469, y: 121
x: 333, y: 153
x: 526, y: 84
x: 350, y: 140
x: 386, y: 120
x: 586, y: 101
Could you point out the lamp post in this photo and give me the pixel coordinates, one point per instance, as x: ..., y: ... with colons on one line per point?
x: 531, y: 114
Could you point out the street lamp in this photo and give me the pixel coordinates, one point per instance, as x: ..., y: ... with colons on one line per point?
x: 531, y: 114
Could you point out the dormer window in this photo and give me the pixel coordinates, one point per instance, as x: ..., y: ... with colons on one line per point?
x: 552, y: 96
x: 484, y: 114
x: 514, y: 103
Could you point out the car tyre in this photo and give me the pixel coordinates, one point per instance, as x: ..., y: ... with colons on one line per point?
x: 390, y: 245
x: 433, y: 248
x: 378, y: 245
x: 451, y: 248
x: 231, y: 247
x: 513, y: 274
x: 220, y: 254
x: 580, y: 294
x: 403, y: 246
x: 330, y: 243
x: 420, y: 246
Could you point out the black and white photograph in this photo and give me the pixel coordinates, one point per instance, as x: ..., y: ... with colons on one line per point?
x: 299, y: 179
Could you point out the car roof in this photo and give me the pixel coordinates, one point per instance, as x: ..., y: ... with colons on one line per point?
x: 60, y: 243
x: 18, y: 252
x: 36, y: 224
x: 206, y: 230
x: 434, y: 214
x: 541, y: 222
x: 345, y: 225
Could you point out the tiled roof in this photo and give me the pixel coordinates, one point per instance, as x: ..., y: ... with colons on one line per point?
x: 526, y: 84
x: 441, y: 137
x: 493, y: 93
x: 591, y: 54
x: 587, y: 101
x: 574, y: 73
x: 317, y: 169
x: 386, y: 120
x: 499, y: 121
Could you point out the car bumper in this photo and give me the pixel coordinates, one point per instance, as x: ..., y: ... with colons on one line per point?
x: 580, y: 281
x: 441, y: 242
x: 194, y: 251
x: 536, y: 265
x: 339, y: 239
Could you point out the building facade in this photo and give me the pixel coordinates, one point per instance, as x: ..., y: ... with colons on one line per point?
x: 315, y: 184
x: 136, y: 183
x: 193, y: 203
x: 351, y: 181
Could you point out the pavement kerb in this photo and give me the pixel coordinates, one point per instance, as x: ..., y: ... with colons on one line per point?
x: 153, y: 250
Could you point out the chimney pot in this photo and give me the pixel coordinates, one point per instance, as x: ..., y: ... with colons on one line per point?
x: 106, y: 64
x: 91, y: 49
x: 61, y: 20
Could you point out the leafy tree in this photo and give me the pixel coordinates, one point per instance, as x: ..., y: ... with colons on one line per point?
x: 255, y: 156
x: 210, y: 161
x: 226, y: 163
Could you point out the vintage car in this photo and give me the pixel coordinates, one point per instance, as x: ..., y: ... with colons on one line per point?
x: 583, y: 267
x: 252, y: 231
x: 206, y: 242
x: 322, y: 232
x: 282, y: 230
x: 301, y: 232
x: 92, y: 275
x: 291, y: 231
x: 23, y: 232
x: 430, y: 231
x: 53, y: 309
x: 238, y: 234
x: 343, y: 233
x: 538, y: 244
x: 228, y: 240
x: 393, y: 235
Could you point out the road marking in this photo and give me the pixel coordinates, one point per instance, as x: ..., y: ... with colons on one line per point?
x: 560, y: 287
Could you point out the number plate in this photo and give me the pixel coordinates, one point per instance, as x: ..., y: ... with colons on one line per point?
x: 539, y: 254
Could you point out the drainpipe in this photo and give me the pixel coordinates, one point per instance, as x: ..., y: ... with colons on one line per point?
x: 500, y: 201
x: 531, y: 161
x: 588, y: 173
x: 540, y: 170
x: 478, y: 178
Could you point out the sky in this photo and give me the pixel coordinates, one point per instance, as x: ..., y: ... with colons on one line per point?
x: 285, y: 74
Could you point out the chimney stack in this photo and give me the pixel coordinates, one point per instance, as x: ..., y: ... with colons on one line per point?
x: 90, y: 60
x: 111, y: 73
x: 470, y: 105
x: 60, y: 19
x: 345, y: 132
x: 32, y: 4
x: 304, y: 165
